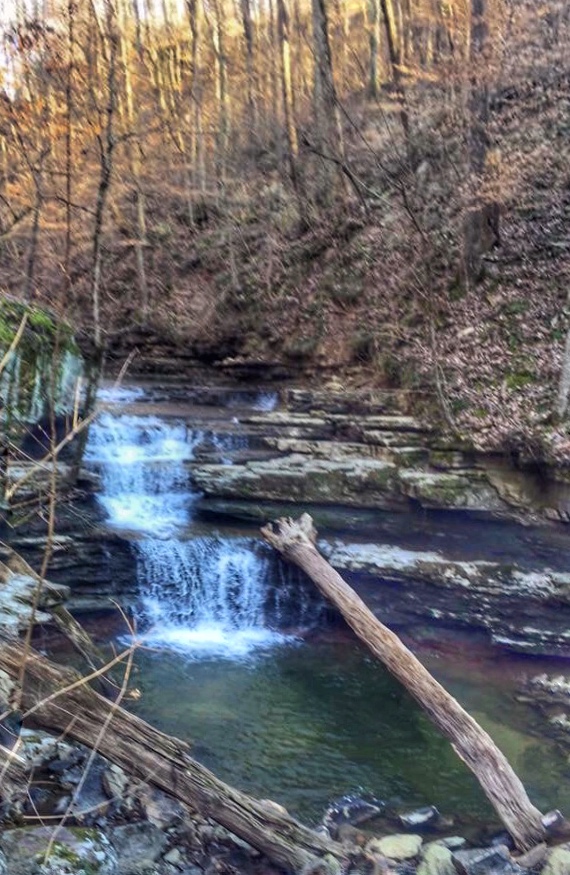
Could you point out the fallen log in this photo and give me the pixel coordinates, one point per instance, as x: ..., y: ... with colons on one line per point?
x: 59, y: 699
x: 13, y: 777
x: 295, y: 540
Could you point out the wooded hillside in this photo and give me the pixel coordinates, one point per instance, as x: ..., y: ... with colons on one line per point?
x: 377, y: 186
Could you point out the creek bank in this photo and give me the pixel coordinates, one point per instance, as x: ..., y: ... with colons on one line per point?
x: 364, y: 452
x: 107, y: 823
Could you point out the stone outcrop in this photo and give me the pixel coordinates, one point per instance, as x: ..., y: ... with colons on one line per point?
x: 18, y: 595
x: 478, y: 594
x: 366, y: 453
x: 42, y: 369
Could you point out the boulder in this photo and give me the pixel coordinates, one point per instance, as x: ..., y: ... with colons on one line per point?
x: 420, y: 818
x: 436, y: 860
x: 73, y: 852
x: 138, y: 847
x: 486, y: 861
x: 351, y: 809
x: 558, y: 862
x: 465, y: 491
x: 40, y: 748
x: 396, y: 847
x: 533, y: 858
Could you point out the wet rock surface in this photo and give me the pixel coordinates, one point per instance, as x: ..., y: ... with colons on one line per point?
x: 22, y: 603
x: 486, y: 861
x: 497, y: 597
x: 322, y: 436
x: 436, y: 860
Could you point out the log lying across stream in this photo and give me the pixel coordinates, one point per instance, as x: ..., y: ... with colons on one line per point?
x: 59, y: 699
x: 295, y: 540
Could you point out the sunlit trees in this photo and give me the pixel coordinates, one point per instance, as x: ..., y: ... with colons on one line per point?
x: 127, y: 127
x: 106, y: 103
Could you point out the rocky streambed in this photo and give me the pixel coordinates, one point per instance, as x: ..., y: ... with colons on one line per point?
x: 81, y: 815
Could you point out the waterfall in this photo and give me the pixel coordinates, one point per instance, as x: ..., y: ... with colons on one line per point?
x: 208, y: 593
x: 144, y: 482
x: 202, y: 594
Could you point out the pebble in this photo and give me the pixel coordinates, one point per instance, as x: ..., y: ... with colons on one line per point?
x: 397, y: 847
x: 173, y: 856
x: 419, y: 818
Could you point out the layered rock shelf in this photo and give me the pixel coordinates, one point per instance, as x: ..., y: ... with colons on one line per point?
x: 364, y: 452
x: 524, y: 610
x: 371, y: 456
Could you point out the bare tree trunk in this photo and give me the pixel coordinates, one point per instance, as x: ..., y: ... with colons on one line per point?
x: 35, y: 146
x: 481, y: 224
x: 273, y: 54
x: 564, y: 381
x: 373, y: 23
x: 342, y: 33
x: 29, y: 291
x: 295, y: 540
x: 53, y: 693
x: 328, y: 126
x: 69, y: 147
x: 221, y: 86
x: 393, y: 31
x: 134, y: 155
x: 106, y: 142
x: 192, y: 174
x: 288, y: 105
x: 250, y: 73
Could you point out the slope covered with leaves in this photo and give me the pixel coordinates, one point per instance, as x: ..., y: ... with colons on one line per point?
x: 370, y: 284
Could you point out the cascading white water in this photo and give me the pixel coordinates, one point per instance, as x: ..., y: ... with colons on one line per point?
x: 144, y: 480
x: 208, y: 593
x: 203, y: 594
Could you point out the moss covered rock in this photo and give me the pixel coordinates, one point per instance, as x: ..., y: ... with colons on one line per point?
x: 39, y: 850
x: 40, y: 364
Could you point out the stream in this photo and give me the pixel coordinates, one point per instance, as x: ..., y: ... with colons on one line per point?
x: 241, y: 657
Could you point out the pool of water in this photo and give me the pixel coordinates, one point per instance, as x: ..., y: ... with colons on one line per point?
x: 306, y: 721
